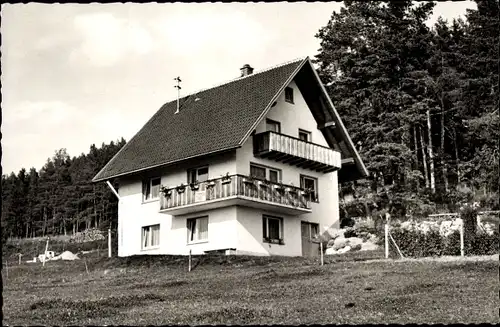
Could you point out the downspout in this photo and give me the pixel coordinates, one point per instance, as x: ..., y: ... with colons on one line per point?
x: 113, y: 189
x: 119, y: 225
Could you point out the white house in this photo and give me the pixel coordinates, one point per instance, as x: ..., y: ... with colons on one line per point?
x: 251, y: 166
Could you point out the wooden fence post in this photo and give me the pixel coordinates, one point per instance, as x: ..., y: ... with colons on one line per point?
x: 462, y: 252
x: 45, y: 253
x: 386, y: 240
x: 109, y: 242
x: 321, y: 250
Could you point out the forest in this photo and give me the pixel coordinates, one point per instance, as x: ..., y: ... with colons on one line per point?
x: 60, y: 198
x: 420, y: 103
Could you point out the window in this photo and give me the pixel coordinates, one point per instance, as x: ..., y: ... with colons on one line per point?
x: 150, y: 236
x: 310, y: 183
x: 272, y: 229
x: 262, y: 172
x: 304, y: 135
x: 289, y: 94
x: 309, y: 230
x: 151, y: 188
x: 197, y: 229
x: 273, y: 126
x: 198, y: 174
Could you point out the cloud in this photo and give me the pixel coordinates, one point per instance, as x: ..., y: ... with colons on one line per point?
x: 191, y: 32
x: 48, y: 112
x: 107, y: 39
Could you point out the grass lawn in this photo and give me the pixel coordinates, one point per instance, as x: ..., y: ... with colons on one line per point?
x: 249, y: 290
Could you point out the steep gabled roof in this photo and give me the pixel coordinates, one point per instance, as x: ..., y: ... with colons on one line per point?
x: 210, y: 121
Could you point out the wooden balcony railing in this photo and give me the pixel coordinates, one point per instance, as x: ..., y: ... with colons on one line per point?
x: 296, y: 152
x: 235, y: 187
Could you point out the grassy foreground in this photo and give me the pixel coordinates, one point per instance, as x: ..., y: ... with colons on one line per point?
x: 249, y: 290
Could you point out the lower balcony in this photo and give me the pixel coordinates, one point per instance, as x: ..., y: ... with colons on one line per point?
x: 235, y: 190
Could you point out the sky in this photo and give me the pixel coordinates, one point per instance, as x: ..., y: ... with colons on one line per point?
x: 75, y: 75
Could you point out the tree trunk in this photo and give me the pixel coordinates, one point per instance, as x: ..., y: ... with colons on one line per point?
x: 443, y: 162
x: 456, y: 155
x: 44, y: 229
x: 415, y: 143
x: 431, y: 155
x: 424, y: 158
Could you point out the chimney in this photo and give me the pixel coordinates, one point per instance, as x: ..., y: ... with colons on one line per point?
x: 246, y: 70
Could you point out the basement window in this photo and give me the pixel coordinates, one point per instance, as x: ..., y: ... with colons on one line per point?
x: 289, y: 94
x: 150, y: 236
x: 272, y: 229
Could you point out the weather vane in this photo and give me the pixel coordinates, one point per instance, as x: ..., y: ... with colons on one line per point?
x: 178, y: 87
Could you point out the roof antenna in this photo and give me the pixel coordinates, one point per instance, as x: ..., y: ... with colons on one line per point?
x: 178, y: 87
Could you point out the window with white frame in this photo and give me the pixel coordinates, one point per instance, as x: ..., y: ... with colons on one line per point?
x: 273, y: 126
x: 263, y: 172
x: 197, y: 229
x: 198, y: 175
x: 272, y: 229
x: 151, y: 188
x: 311, y: 184
x: 150, y: 236
x: 304, y: 135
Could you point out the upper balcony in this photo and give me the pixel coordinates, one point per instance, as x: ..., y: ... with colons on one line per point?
x: 294, y: 151
x: 235, y: 190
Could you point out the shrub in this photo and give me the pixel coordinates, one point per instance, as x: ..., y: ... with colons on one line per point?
x: 415, y: 243
x: 347, y: 222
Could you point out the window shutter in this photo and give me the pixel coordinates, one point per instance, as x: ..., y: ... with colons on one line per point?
x: 264, y: 227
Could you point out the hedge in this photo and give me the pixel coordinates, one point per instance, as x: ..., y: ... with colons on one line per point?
x: 414, y: 243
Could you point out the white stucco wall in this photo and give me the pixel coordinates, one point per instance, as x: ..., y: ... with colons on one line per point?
x: 292, y: 117
x: 250, y: 238
x: 133, y: 214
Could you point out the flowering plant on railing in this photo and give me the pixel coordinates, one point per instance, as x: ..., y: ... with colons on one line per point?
x: 181, y: 188
x: 249, y: 180
x: 165, y: 190
x: 194, y: 186
x: 226, y: 178
x: 264, y: 183
x: 279, y: 187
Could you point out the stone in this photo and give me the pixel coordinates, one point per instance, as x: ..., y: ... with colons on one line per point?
x: 330, y: 251
x: 340, y: 243
x: 356, y: 247
x: 354, y: 241
x: 344, y: 250
x: 368, y: 246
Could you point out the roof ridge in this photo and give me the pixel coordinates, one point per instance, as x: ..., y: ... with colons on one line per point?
x: 240, y: 78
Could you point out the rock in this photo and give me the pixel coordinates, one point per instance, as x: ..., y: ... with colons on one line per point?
x: 354, y: 241
x: 66, y: 255
x: 368, y: 246
x: 330, y: 251
x: 373, y: 239
x: 335, y: 233
x: 330, y: 243
x: 339, y: 243
x: 356, y: 247
x: 344, y: 250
